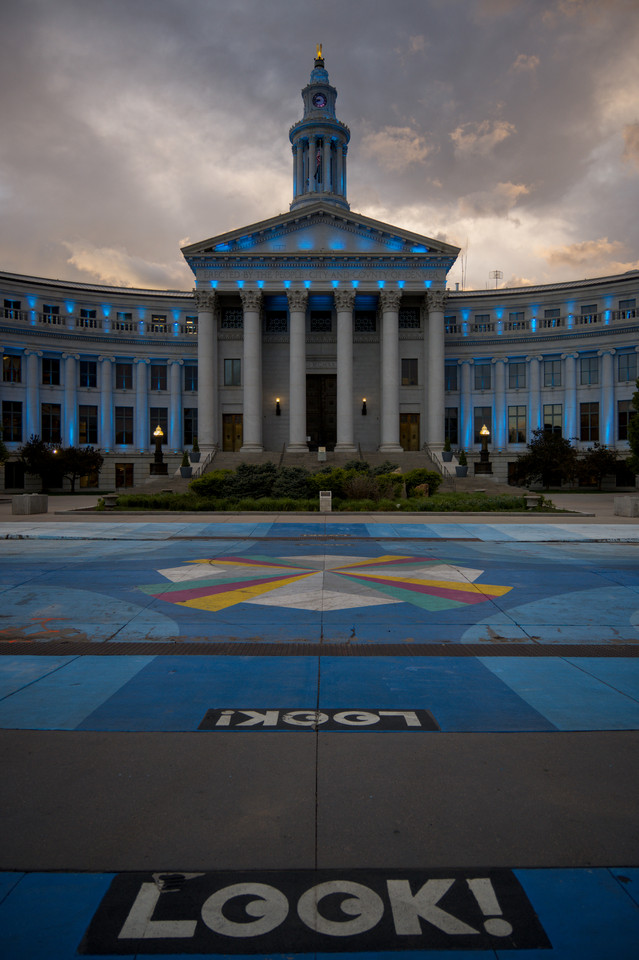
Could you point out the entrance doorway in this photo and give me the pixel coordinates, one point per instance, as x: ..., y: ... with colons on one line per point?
x: 321, y: 410
x: 409, y: 431
x: 232, y: 432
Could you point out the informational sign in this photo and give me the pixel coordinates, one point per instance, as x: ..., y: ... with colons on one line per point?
x: 308, y: 911
x: 310, y: 719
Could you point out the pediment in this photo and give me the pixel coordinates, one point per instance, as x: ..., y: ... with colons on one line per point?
x: 320, y: 230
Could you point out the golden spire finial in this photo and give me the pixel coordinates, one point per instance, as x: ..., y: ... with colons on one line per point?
x: 319, y: 56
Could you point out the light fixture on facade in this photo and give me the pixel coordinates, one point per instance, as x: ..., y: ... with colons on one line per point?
x: 158, y: 467
x: 364, y: 411
x: 484, y: 465
x: 278, y: 409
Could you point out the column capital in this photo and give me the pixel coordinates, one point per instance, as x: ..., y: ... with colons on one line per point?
x: 70, y: 356
x: 494, y: 360
x: 204, y: 299
x: 106, y: 359
x: 390, y: 299
x: 469, y: 362
x: 141, y: 360
x: 602, y: 353
x: 534, y: 357
x: 251, y: 299
x: 436, y: 299
x: 344, y: 299
x: 178, y: 363
x: 297, y: 299
x: 569, y: 356
x: 33, y: 353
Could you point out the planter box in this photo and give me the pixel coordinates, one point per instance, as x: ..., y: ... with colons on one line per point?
x: 186, y: 472
x: 194, y: 457
x: 447, y: 456
x: 461, y: 471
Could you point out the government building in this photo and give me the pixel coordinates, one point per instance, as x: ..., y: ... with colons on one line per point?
x: 318, y: 328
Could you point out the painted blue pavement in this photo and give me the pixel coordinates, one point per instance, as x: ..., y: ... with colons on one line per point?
x: 585, y: 915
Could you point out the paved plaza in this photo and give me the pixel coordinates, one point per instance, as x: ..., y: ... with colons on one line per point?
x: 319, y: 736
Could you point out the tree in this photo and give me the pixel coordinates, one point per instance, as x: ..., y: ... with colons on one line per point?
x: 39, y: 459
x: 74, y: 462
x: 633, y: 430
x: 597, y: 462
x: 550, y: 459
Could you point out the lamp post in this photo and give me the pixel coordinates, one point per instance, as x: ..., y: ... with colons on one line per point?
x: 158, y: 467
x: 484, y: 465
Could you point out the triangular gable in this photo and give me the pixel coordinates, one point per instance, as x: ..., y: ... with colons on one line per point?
x: 320, y: 229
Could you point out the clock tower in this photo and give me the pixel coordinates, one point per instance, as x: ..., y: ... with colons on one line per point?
x: 320, y: 144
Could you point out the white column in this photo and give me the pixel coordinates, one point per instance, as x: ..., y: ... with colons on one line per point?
x: 33, y: 418
x: 570, y: 396
x: 142, y: 436
x: 466, y: 405
x: 70, y: 412
x: 607, y: 402
x: 389, y: 301
x: 436, y: 300
x: 252, y: 372
x: 344, y: 303
x: 534, y: 393
x: 500, y: 427
x: 297, y: 300
x: 106, y: 403
x: 207, y: 420
x: 175, y: 409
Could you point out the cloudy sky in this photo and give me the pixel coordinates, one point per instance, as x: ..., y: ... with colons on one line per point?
x: 131, y: 127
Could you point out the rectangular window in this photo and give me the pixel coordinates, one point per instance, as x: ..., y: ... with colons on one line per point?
x: 482, y: 376
x: 14, y: 475
x: 483, y: 415
x: 159, y: 417
x: 517, y: 424
x: 450, y: 377
x: 87, y: 318
x: 450, y: 323
x: 88, y: 424
x: 190, y: 378
x: 409, y: 318
x: 589, y: 421
x: 11, y: 369
x: 321, y: 322
x: 158, y: 376
x: 409, y: 372
x: 451, y: 429
x: 589, y: 370
x: 50, y: 372
x: 482, y: 323
x: 552, y: 318
x: 190, y: 326
x: 12, y: 421
x: 552, y: 418
x: 51, y: 313
x: 158, y: 323
x: 124, y: 425
x: 12, y: 309
x: 516, y: 375
x: 588, y: 309
x: 124, y: 376
x: 123, y: 475
x: 232, y: 318
x: 123, y: 321
x: 627, y: 366
x: 276, y: 321
x: 625, y: 413
x: 88, y: 373
x: 552, y: 373
x: 232, y: 373
x: 628, y: 309
x: 51, y: 421
x: 190, y: 424
x: 365, y: 321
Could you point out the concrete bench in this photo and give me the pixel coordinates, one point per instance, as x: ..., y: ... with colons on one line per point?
x: 26, y: 503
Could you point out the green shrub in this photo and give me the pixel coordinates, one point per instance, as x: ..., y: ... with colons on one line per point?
x: 291, y: 482
x: 211, y: 484
x: 386, y: 467
x: 360, y: 466
x: 251, y: 480
x: 416, y: 477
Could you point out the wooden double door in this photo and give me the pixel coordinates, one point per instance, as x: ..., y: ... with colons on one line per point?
x: 232, y: 432
x: 321, y: 410
x: 409, y: 431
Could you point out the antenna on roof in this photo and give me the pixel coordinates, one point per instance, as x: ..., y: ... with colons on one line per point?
x: 496, y: 275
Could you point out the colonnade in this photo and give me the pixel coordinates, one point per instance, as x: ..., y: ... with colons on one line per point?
x: 344, y: 300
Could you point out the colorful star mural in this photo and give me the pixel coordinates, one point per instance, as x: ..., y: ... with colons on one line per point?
x: 321, y: 582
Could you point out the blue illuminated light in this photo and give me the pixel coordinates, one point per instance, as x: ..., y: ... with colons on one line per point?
x: 380, y: 284
x: 500, y: 328
x: 213, y: 284
x: 223, y: 246
x: 419, y: 249
x: 176, y: 329
x: 400, y: 284
x: 355, y: 284
x: 465, y: 314
x: 260, y: 284
x: 70, y: 306
x: 499, y: 313
x: 106, y: 309
x: 287, y: 284
x: 533, y: 324
x: 176, y: 314
x: 305, y: 245
x: 335, y: 283
x: 32, y: 301
x: 141, y: 312
x: 240, y: 284
x: 307, y: 284
x: 33, y: 318
x: 337, y: 245
x: 607, y: 316
x: 428, y: 283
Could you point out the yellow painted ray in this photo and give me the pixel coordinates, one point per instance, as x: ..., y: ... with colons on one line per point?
x: 491, y: 590
x: 228, y: 598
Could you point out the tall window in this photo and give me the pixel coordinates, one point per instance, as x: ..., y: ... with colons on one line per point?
x: 50, y: 371
x: 409, y: 372
x: 232, y: 373
x: 51, y: 312
x: 12, y: 421
x: 627, y: 366
x: 552, y: 418
x: 483, y: 415
x: 158, y: 417
x: 552, y: 373
x: 124, y: 376
x: 51, y: 423
x: 552, y: 317
x: 321, y: 322
x: 158, y: 323
x: 232, y: 318
x: 516, y: 374
x: 589, y: 370
x: 88, y: 373
x: 451, y: 428
x: 158, y: 376
x: 123, y: 321
x: 628, y: 309
x: 124, y: 425
x: 517, y: 424
x: 450, y: 377
x: 190, y: 378
x: 409, y: 318
x: 88, y: 424
x: 87, y: 318
x: 589, y: 421
x: 482, y: 323
x: 190, y: 325
x: 276, y: 321
x: 11, y: 369
x: 12, y: 309
x: 625, y: 413
x: 365, y: 321
x: 482, y: 376
x: 190, y: 424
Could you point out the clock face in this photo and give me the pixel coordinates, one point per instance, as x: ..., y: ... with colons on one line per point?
x: 319, y: 100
